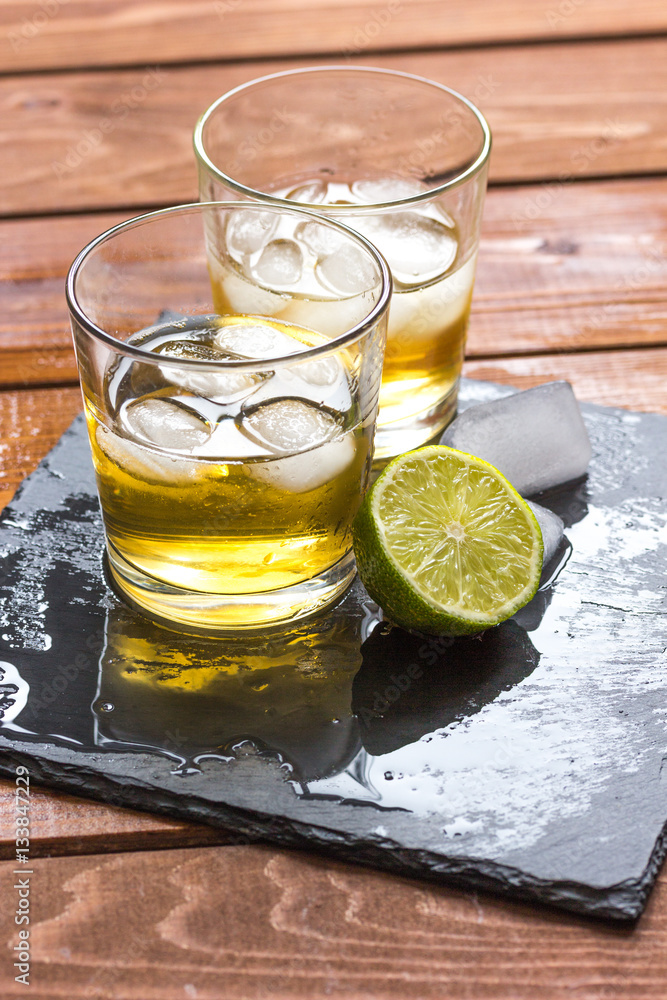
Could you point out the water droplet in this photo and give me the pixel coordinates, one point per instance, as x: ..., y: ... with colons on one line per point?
x: 106, y: 706
x: 388, y: 775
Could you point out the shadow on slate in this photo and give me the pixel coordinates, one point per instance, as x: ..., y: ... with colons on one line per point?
x: 410, y: 685
x: 527, y: 765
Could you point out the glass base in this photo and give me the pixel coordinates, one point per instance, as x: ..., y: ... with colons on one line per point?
x: 209, y: 614
x: 405, y: 435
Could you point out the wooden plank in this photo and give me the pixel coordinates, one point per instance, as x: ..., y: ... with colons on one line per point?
x: 117, y: 139
x: 35, y: 255
x: 634, y: 380
x: 249, y: 923
x: 565, y: 268
x: 63, y: 824
x: 59, y: 33
x: 31, y: 421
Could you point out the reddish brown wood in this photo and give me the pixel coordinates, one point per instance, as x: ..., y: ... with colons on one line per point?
x: 63, y: 824
x: 251, y: 923
x: 46, y: 35
x: 631, y: 379
x: 31, y: 421
x: 578, y: 266
x: 116, y: 139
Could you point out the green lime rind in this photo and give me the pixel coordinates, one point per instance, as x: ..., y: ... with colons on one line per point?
x: 445, y: 545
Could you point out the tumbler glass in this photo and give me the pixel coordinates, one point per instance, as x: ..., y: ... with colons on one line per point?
x: 402, y: 160
x: 230, y: 408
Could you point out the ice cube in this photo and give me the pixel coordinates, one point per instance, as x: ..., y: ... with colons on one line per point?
x: 143, y: 463
x: 311, y: 193
x: 248, y: 232
x: 378, y: 192
x: 326, y: 371
x: 280, y: 264
x: 243, y: 296
x: 552, y: 529
x: 319, y: 239
x: 256, y: 340
x: 165, y: 424
x: 347, y: 270
x: 537, y: 438
x: 302, y: 473
x: 285, y: 426
x: 221, y: 386
x: 417, y: 248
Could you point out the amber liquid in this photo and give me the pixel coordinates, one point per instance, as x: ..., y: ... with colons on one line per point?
x: 223, y: 514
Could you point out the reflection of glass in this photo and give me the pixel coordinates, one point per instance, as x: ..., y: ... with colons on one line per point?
x: 401, y: 159
x: 286, y: 694
x: 232, y: 441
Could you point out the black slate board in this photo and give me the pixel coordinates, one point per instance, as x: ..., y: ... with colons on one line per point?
x: 527, y: 762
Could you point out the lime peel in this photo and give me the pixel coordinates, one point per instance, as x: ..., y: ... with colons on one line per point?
x: 445, y: 545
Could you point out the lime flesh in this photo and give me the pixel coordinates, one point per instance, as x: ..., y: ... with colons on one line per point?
x: 445, y: 545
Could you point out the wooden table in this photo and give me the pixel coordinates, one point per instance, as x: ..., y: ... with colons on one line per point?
x: 572, y: 283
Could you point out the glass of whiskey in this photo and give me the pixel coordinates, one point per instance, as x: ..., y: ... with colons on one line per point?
x: 402, y: 160
x: 231, y: 392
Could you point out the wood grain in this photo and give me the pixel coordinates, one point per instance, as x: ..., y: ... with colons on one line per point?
x: 634, y: 380
x: 249, y: 923
x: 63, y: 824
x: 63, y: 34
x: 576, y: 267
x: 117, y: 139
x: 31, y: 421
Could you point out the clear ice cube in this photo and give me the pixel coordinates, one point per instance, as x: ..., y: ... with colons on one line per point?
x: 302, y: 473
x: 285, y: 426
x: 537, y: 438
x: 288, y: 426
x: 552, y: 529
x: 417, y: 247
x: 419, y: 313
x: 244, y: 296
x: 311, y: 193
x: 256, y: 341
x: 143, y: 463
x: 221, y: 386
x: 384, y: 189
x: 165, y: 424
x: 248, y: 232
x: 319, y: 239
x: 347, y: 270
x: 280, y: 264
x: 326, y: 371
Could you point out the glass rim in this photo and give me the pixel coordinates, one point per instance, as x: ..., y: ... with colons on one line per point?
x: 342, y: 210
x: 137, y: 353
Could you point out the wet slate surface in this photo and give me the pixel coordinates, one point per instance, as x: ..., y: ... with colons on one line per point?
x: 528, y: 762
